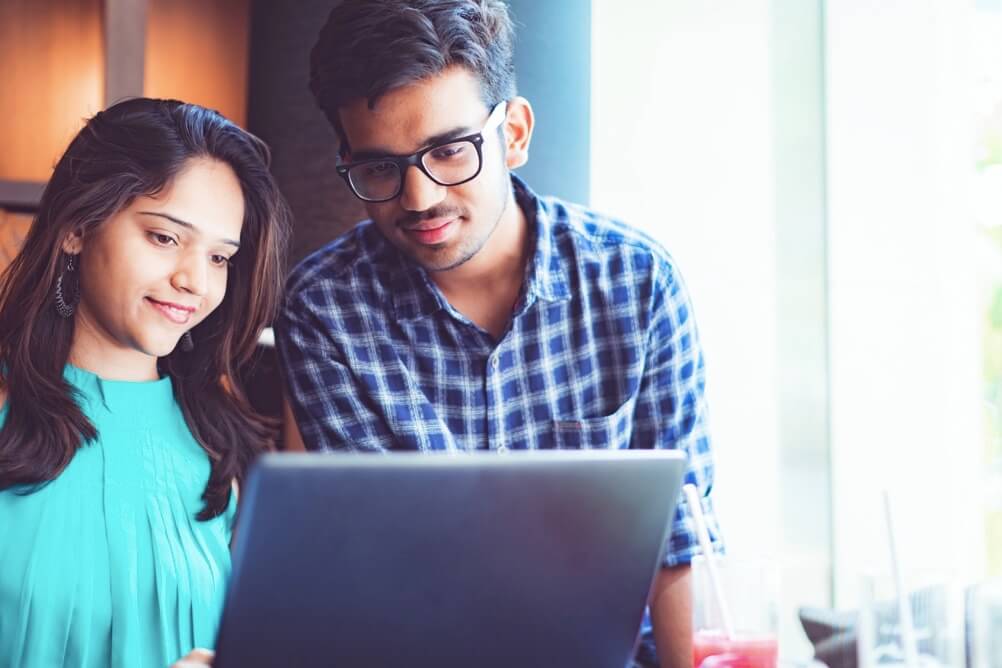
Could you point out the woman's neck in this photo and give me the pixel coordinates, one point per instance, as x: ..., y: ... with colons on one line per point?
x: 95, y: 353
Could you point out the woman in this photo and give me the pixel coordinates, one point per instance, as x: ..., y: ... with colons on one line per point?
x: 153, y: 264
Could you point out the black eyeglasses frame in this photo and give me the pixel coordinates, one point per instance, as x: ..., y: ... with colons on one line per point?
x: 416, y: 159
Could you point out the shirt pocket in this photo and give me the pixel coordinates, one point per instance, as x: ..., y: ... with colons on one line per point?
x: 608, y: 432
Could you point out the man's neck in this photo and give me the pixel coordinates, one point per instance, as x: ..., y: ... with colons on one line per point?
x: 485, y: 288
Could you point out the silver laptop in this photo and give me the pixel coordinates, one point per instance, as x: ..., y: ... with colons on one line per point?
x: 473, y: 559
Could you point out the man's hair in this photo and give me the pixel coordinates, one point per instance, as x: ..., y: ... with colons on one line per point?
x: 370, y: 47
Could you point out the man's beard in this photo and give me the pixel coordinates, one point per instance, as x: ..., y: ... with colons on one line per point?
x: 464, y: 254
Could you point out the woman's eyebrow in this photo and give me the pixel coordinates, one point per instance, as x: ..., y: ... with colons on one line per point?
x: 185, y: 224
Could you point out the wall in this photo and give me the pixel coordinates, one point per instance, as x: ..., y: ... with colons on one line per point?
x: 55, y: 56
x: 282, y: 112
x: 198, y: 51
x: 906, y: 392
x: 553, y: 66
x: 707, y: 129
x: 52, y: 74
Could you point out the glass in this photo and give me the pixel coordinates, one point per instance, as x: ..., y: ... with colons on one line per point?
x: 985, y: 632
x: 937, y: 613
x: 447, y: 163
x: 750, y: 588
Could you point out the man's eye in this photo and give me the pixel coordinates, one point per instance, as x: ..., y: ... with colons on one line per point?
x: 379, y: 168
x: 449, y: 151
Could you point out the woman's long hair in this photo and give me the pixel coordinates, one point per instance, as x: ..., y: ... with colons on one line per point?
x: 132, y: 149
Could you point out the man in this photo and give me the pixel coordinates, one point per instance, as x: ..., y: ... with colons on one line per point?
x: 469, y: 313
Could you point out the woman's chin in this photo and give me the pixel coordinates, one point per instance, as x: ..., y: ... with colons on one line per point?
x: 162, y: 346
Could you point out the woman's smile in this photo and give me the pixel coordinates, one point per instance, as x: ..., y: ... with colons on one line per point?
x: 176, y: 313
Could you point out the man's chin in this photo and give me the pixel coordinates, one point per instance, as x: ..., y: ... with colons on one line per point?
x: 440, y: 263
x: 437, y: 257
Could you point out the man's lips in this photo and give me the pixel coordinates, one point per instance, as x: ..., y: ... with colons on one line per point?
x: 431, y: 224
x: 429, y: 232
x: 176, y: 313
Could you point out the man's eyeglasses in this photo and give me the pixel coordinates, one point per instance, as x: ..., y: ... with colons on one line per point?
x: 448, y: 163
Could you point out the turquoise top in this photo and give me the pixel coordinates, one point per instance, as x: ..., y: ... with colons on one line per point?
x: 106, y: 565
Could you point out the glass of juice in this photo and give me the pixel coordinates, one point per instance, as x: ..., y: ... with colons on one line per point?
x: 750, y: 589
x: 932, y: 633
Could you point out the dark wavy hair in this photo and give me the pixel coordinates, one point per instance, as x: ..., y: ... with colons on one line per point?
x: 132, y: 149
x: 369, y: 47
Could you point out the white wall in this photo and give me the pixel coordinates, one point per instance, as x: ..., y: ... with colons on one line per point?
x: 682, y: 147
x: 905, y: 345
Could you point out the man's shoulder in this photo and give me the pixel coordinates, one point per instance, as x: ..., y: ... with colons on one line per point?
x: 359, y: 254
x: 590, y: 235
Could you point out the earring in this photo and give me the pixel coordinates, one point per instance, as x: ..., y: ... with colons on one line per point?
x: 187, y: 343
x: 68, y: 292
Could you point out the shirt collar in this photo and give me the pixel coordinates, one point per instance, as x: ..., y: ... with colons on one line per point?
x: 415, y: 295
x: 546, y: 274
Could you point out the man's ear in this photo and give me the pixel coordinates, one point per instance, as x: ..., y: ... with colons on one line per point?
x: 518, y: 132
x: 73, y: 243
x: 343, y: 147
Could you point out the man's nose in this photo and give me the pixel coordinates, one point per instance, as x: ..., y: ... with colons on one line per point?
x: 419, y: 192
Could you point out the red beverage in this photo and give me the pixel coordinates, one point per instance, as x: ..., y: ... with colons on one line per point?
x: 744, y: 651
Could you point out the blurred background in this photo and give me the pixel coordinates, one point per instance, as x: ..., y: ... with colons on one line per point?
x: 827, y: 174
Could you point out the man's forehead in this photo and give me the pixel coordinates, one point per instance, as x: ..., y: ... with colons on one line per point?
x: 403, y: 118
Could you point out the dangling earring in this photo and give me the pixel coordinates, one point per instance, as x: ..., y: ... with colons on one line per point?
x: 68, y: 293
x: 187, y: 343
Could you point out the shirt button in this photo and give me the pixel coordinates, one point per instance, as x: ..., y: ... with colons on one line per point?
x: 502, y: 448
x: 495, y: 363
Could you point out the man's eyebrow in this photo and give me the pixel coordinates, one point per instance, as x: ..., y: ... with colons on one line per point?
x: 454, y: 133
x: 185, y: 224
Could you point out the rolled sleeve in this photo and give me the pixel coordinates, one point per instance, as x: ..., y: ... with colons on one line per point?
x: 671, y: 408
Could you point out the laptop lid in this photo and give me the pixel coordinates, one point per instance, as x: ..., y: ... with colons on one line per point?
x: 521, y: 559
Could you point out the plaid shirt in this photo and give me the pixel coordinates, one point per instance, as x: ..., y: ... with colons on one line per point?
x: 601, y: 352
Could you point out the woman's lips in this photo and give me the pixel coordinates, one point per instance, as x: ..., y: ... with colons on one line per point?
x: 176, y: 313
x: 431, y: 232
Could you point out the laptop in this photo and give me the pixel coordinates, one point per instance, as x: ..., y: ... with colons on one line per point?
x: 471, y: 559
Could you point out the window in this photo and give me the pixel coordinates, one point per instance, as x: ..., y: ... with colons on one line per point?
x: 829, y: 178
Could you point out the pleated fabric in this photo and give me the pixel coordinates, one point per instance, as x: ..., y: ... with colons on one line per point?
x: 106, y: 565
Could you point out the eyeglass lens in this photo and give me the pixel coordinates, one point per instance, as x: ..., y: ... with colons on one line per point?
x: 448, y: 164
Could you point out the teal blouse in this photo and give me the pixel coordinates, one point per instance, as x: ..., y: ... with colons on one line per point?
x: 106, y: 565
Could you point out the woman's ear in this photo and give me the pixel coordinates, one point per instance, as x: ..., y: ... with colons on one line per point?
x: 73, y: 243
x: 518, y: 132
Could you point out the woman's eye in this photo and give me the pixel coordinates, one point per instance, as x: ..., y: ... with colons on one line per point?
x: 162, y: 239
x: 220, y: 260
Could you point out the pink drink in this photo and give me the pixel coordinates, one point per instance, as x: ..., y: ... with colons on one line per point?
x: 747, y: 651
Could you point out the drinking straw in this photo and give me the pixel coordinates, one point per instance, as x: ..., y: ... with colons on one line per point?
x: 904, y: 608
x: 696, y: 508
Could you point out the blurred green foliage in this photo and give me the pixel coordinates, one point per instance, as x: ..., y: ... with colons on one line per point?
x: 990, y: 146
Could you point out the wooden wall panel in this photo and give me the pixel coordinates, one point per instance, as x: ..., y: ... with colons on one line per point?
x: 13, y: 230
x: 51, y: 79
x: 197, y: 51
x: 284, y: 114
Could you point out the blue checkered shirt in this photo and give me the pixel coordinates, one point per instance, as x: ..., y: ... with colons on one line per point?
x: 601, y: 352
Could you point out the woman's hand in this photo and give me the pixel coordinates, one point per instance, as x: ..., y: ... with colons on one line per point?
x: 196, y: 658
